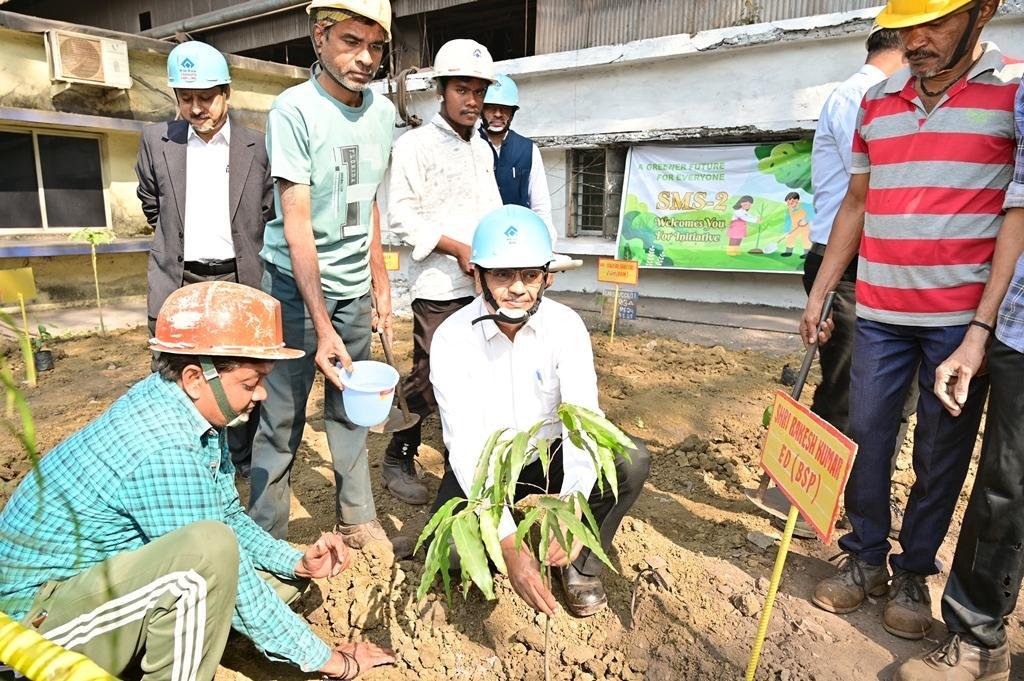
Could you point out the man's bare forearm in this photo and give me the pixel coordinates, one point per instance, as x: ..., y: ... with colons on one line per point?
x: 844, y: 240
x: 298, y: 233
x: 379, y: 280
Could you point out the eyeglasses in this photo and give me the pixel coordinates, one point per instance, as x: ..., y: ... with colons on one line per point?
x: 506, y: 277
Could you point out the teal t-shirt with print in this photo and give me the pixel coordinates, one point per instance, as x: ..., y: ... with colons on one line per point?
x: 341, y: 153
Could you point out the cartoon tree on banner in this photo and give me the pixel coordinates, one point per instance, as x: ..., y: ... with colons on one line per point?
x: 789, y: 163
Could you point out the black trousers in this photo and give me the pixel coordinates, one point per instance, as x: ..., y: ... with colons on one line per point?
x: 832, y: 396
x: 427, y: 315
x: 607, y: 511
x: 987, y: 568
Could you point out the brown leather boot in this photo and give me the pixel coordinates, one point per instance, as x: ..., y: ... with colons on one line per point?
x: 844, y: 591
x: 908, y: 613
x: 584, y: 594
x: 957, y: 660
x: 360, y: 535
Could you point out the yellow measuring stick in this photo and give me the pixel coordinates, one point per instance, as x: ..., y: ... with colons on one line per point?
x: 766, y: 614
x: 615, y: 314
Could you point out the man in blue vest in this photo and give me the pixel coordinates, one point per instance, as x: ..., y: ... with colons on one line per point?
x: 518, y: 167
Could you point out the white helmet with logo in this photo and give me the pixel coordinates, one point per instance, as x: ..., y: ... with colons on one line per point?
x: 467, y: 58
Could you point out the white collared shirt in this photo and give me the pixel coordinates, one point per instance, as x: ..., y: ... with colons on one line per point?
x: 484, y: 382
x: 833, y: 148
x: 207, y: 210
x: 439, y: 185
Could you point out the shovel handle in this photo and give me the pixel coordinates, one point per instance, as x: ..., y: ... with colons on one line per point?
x: 403, y: 405
x: 812, y: 349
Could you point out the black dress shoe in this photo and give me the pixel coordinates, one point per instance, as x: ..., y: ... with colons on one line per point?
x: 584, y: 595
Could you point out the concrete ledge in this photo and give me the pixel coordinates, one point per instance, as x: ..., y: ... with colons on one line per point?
x: 51, y: 247
x: 72, y: 120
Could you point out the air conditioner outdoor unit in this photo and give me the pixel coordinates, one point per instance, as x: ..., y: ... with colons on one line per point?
x: 81, y: 58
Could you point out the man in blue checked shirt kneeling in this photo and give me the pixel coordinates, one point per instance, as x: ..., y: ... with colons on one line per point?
x: 128, y: 542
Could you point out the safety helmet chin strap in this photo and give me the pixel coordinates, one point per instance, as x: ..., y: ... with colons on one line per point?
x: 509, y: 316
x: 213, y: 378
x: 964, y: 43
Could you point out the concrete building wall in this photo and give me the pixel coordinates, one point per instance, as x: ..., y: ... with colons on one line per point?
x: 30, y: 101
x: 740, y: 84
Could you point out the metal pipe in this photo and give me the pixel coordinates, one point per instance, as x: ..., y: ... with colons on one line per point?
x: 253, y: 9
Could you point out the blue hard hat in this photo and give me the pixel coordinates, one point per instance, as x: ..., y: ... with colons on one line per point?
x: 503, y: 92
x: 511, y: 236
x: 195, y: 65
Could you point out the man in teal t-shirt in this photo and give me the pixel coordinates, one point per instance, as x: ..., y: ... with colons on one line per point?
x: 329, y: 140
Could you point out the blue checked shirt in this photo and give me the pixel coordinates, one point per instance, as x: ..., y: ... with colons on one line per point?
x: 147, y: 466
x: 1010, y: 323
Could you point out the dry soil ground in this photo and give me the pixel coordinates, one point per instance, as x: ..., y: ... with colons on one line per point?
x: 699, y: 409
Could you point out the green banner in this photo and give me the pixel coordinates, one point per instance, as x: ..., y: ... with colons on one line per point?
x: 732, y: 208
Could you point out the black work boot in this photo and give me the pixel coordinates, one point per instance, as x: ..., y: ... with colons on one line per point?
x: 584, y: 594
x: 398, y: 473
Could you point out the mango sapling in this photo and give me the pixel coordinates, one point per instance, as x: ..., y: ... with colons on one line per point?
x: 471, y: 524
x: 95, y: 236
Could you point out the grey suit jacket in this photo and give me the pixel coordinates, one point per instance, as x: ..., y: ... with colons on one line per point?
x: 161, y: 172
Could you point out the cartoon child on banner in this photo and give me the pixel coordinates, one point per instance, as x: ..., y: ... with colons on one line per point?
x: 798, y: 224
x: 738, y: 227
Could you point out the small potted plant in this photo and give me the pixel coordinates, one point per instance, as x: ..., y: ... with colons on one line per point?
x: 43, y: 356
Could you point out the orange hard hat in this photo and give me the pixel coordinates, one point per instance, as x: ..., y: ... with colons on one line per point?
x: 221, y: 319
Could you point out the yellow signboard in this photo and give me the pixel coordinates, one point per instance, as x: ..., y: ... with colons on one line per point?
x: 810, y: 461
x: 13, y: 282
x: 615, y: 271
x: 391, y: 260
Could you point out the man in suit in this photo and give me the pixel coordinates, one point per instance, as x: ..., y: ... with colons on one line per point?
x: 206, y: 192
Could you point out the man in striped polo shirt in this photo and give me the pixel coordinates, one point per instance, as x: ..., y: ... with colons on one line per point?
x: 932, y: 156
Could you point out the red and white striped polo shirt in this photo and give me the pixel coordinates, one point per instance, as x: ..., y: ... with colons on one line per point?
x: 935, y: 197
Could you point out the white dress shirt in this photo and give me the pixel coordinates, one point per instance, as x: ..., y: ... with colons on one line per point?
x: 484, y: 382
x: 833, y: 148
x: 439, y: 185
x: 207, y: 211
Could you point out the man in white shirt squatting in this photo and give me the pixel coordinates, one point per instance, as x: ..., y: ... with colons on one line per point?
x: 507, y: 360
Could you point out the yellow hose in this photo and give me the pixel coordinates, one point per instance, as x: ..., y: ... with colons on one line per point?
x: 28, y: 653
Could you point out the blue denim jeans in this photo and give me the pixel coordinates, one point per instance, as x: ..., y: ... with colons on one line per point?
x: 884, y: 358
x: 283, y: 415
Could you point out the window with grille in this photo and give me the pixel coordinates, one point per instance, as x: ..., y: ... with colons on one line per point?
x: 50, y: 181
x: 596, y: 180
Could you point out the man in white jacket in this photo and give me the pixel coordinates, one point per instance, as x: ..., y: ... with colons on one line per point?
x: 442, y: 183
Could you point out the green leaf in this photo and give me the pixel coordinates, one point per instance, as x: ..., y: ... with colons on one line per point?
x: 526, y: 523
x: 766, y: 415
x: 466, y: 532
x: 582, y: 533
x: 543, y: 447
x: 435, y: 520
x: 594, y: 423
x: 433, y: 563
x: 483, y: 463
x: 545, y: 535
x: 516, y: 461
x: 607, y: 471
x: 587, y: 513
x: 489, y: 518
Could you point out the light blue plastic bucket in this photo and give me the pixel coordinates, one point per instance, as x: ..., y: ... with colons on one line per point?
x: 369, y: 391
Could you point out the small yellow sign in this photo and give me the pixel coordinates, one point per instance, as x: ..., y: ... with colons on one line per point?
x: 13, y: 282
x: 810, y: 461
x: 615, y: 271
x: 391, y: 262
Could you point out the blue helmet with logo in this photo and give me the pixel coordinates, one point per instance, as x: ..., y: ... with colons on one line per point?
x: 511, y: 236
x: 195, y: 65
x: 504, y: 92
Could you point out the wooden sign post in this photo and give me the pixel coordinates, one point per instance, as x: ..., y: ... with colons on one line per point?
x: 612, y: 271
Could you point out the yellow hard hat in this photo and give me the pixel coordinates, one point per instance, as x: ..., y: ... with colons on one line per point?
x: 377, y: 10
x: 906, y: 13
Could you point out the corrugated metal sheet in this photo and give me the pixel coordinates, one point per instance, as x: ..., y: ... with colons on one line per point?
x: 403, y: 8
x: 270, y: 30
x: 575, y: 24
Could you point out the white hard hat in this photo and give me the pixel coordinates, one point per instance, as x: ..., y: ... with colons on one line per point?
x: 376, y: 10
x: 462, y: 57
